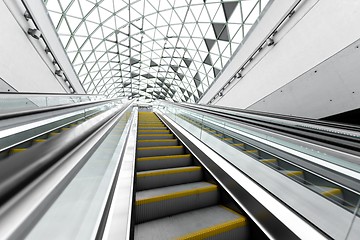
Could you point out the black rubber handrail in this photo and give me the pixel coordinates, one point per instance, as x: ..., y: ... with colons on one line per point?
x: 20, y: 169
x: 323, y: 123
x: 50, y: 94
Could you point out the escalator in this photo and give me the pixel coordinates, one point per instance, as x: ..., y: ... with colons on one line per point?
x: 175, y: 197
x: 336, y: 193
x: 22, y: 130
x: 181, y: 189
x: 37, y: 139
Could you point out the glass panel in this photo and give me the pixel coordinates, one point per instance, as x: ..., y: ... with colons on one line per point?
x: 20, y: 102
x: 146, y: 49
x: 86, y: 195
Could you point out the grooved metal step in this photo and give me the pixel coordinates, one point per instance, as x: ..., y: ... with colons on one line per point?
x: 161, y: 162
x: 16, y: 150
x: 172, y: 201
x: 216, y: 222
x: 271, y: 161
x: 152, y: 128
x: 148, y: 124
x: 159, y: 151
x: 167, y: 177
x: 297, y: 175
x: 160, y: 202
x: 157, y: 142
x: 154, y: 136
x: 153, y: 131
x: 332, y: 193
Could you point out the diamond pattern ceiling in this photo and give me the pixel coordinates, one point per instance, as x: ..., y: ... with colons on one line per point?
x: 151, y: 49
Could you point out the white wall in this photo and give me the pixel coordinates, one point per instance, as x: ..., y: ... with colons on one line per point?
x: 329, y: 88
x: 317, y: 31
x: 24, y: 64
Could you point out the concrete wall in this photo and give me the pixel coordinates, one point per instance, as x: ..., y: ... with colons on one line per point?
x: 24, y: 65
x: 321, y: 36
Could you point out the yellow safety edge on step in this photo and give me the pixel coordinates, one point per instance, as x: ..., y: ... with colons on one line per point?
x: 155, y: 135
x: 17, y: 150
x: 163, y: 157
x: 215, y: 229
x: 167, y: 171
x: 152, y: 124
x: 227, y: 139
x: 39, y: 140
x: 149, y: 120
x: 152, y: 130
x: 251, y: 151
x: 268, y: 160
x: 157, y: 140
x: 238, y: 144
x: 331, y: 192
x: 294, y: 173
x: 159, y: 148
x: 173, y: 195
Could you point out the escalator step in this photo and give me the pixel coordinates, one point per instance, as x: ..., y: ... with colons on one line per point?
x: 53, y: 134
x: 159, y: 151
x: 297, y: 175
x: 157, y: 142
x: 238, y: 145
x: 155, y: 136
x: 291, y: 173
x: 209, y: 130
x: 167, y: 177
x: 160, y: 202
x: 154, y: 131
x: 39, y: 140
x: 216, y: 222
x: 152, y: 128
x: 161, y: 162
x: 227, y: 139
x: 218, y: 135
x: 332, y: 193
x: 252, y: 151
x: 16, y: 150
x: 150, y: 122
x: 271, y: 161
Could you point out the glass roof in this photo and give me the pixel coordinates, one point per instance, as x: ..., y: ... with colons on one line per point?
x: 151, y: 49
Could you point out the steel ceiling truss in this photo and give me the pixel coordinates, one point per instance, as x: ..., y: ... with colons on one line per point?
x: 147, y: 49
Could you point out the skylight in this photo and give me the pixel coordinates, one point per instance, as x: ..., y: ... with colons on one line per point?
x: 151, y: 49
